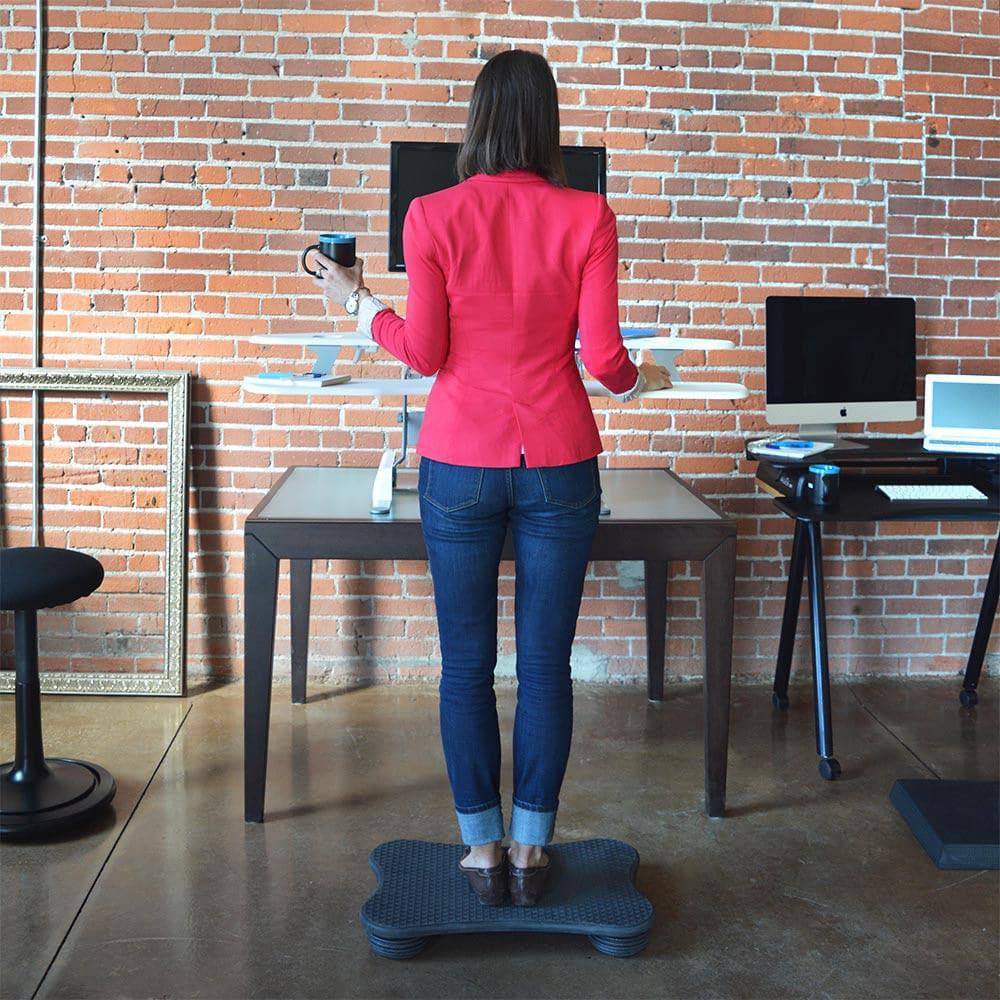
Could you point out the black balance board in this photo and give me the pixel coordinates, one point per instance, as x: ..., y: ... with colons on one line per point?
x: 421, y: 894
x: 956, y: 822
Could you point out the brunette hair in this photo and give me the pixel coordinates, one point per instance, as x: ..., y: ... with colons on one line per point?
x: 513, y: 119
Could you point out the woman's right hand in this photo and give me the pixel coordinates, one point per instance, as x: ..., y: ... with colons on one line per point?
x: 654, y: 377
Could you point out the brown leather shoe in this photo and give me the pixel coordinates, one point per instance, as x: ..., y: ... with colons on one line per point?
x: 526, y: 885
x: 489, y: 884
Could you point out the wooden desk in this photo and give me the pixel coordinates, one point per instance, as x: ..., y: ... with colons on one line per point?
x: 887, y: 460
x: 323, y: 513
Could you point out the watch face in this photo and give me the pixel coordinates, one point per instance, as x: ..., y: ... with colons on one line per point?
x: 351, y: 305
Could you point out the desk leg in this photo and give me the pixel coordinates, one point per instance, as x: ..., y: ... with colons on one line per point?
x: 301, y: 590
x: 718, y: 583
x: 984, y: 626
x: 656, y: 627
x: 829, y: 767
x: 790, y: 619
x: 260, y: 595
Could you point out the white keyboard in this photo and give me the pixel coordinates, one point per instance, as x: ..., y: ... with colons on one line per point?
x: 933, y: 492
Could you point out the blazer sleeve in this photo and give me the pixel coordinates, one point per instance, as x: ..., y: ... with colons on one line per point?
x: 602, y: 350
x: 421, y: 340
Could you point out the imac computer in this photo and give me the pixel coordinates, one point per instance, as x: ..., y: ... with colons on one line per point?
x: 840, y: 359
x: 418, y: 168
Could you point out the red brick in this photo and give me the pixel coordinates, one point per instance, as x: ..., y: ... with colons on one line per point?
x: 753, y: 148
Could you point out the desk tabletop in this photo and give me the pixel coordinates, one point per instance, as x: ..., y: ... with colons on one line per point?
x: 861, y: 500
x: 397, y: 388
x: 861, y: 451
x: 323, y: 494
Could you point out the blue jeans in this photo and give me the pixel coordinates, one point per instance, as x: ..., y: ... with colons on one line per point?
x: 552, y: 513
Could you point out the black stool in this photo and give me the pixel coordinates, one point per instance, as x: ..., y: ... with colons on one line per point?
x: 39, y: 796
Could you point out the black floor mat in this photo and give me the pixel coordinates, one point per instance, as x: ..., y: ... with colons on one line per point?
x: 956, y: 822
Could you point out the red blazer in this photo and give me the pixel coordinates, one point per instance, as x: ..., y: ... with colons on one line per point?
x: 503, y: 269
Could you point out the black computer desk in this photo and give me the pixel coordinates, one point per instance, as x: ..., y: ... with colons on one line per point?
x: 883, y: 460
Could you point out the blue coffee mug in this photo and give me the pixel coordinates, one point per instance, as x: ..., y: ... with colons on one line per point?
x: 820, y: 485
x: 339, y: 247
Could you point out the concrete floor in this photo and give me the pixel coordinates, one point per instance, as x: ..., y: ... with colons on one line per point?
x: 807, y: 888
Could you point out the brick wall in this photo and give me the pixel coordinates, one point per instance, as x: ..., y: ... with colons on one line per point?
x: 757, y: 148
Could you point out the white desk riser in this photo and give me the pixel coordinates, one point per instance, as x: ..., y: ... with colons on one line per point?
x: 328, y: 349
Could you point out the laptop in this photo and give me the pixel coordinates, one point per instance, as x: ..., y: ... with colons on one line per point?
x: 962, y: 413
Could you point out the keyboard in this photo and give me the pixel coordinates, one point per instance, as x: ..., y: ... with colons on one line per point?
x: 933, y: 491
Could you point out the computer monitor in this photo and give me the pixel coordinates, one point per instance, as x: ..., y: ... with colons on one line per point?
x: 418, y: 168
x: 838, y: 359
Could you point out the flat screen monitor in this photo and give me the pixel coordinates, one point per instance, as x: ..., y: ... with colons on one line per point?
x: 419, y: 168
x: 837, y: 359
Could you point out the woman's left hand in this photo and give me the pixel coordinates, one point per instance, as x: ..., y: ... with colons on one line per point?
x: 336, y: 281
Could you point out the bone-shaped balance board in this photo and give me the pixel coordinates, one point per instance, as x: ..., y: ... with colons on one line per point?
x: 421, y: 894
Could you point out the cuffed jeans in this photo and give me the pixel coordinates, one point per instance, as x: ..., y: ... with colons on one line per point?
x: 552, y: 513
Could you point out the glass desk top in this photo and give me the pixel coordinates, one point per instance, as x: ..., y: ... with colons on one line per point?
x: 307, y: 493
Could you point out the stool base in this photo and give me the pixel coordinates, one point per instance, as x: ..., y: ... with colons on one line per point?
x: 70, y: 794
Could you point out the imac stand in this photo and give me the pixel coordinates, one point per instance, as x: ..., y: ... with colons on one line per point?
x: 828, y: 432
x: 819, y: 432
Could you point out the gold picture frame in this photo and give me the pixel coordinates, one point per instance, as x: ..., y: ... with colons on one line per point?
x: 176, y: 387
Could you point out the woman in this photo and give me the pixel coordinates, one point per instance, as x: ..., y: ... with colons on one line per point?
x: 503, y: 269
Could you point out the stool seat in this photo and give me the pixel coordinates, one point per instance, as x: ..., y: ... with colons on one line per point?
x: 36, y: 576
x: 38, y: 795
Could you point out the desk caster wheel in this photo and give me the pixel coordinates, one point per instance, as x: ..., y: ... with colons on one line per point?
x: 829, y: 768
x: 969, y: 699
x: 780, y: 701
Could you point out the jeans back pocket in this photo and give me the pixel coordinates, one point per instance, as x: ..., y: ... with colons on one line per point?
x: 450, y: 487
x: 573, y: 485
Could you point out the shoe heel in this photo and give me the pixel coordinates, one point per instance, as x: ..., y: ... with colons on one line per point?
x: 489, y: 884
x: 526, y: 886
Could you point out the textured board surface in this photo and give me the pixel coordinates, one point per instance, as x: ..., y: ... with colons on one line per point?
x: 422, y: 893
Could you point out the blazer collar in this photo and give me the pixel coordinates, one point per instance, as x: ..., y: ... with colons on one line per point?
x: 517, y: 176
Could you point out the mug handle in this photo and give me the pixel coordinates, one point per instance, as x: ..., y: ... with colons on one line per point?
x: 305, y: 266
x: 802, y: 486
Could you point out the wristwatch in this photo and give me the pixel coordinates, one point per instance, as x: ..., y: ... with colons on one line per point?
x: 353, y: 300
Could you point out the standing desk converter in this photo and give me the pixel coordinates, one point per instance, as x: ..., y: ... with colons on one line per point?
x: 885, y: 460
x: 323, y: 513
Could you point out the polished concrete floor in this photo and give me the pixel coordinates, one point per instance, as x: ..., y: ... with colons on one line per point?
x: 807, y: 888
